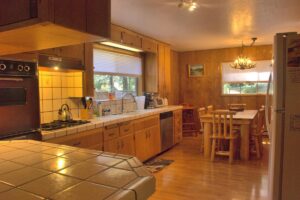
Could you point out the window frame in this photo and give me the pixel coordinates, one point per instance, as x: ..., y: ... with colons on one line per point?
x: 124, y: 75
x: 250, y: 94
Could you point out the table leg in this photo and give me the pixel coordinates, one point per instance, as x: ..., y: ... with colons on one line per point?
x: 245, y: 140
x: 207, y: 140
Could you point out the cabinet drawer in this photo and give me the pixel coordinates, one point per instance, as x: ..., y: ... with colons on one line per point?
x: 139, y: 125
x: 126, y: 128
x: 151, y: 121
x: 111, y: 132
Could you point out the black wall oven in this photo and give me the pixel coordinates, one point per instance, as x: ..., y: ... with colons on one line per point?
x: 19, y: 100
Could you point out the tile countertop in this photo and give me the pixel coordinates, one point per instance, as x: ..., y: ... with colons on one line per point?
x: 38, y: 170
x: 107, y: 120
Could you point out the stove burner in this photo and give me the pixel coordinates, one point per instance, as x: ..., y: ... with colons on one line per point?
x: 57, y: 124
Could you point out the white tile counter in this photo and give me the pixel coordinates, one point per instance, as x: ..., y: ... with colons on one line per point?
x: 107, y: 120
x: 39, y: 170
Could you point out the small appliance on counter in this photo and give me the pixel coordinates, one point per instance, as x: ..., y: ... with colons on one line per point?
x: 19, y: 100
x: 154, y: 101
x: 64, y: 113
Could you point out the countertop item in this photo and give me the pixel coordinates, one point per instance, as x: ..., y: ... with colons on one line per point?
x: 37, y: 170
x: 107, y: 120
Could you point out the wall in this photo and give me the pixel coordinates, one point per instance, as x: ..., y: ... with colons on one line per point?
x: 55, y: 88
x: 175, y: 78
x: 207, y: 90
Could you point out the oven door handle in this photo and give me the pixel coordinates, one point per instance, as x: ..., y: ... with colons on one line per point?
x: 12, y: 79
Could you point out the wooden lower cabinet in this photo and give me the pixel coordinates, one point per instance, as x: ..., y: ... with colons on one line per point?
x: 92, y: 139
x: 177, y: 118
x: 121, y: 145
x: 147, y: 137
x: 155, y: 140
x: 141, y: 144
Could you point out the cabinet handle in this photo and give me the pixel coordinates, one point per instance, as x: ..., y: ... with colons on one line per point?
x: 126, y: 130
x: 111, y: 134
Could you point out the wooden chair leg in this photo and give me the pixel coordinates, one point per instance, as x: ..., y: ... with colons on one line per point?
x: 257, y: 147
x: 213, y: 150
x: 231, y: 151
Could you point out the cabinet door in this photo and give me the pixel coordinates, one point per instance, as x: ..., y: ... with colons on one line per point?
x: 112, y: 146
x: 127, y: 146
x: 132, y: 39
x: 71, y: 14
x: 154, y: 140
x: 149, y: 45
x: 13, y: 11
x: 116, y: 34
x: 98, y: 17
x: 141, y: 145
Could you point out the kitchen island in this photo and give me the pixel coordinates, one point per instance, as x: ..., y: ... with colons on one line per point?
x: 38, y: 170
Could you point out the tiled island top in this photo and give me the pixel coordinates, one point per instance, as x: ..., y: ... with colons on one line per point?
x: 32, y: 170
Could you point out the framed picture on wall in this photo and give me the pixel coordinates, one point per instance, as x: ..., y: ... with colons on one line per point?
x: 196, y: 70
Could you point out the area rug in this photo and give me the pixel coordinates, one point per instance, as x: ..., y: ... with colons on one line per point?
x: 156, y: 165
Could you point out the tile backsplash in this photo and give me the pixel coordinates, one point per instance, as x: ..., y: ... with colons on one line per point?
x: 55, y: 89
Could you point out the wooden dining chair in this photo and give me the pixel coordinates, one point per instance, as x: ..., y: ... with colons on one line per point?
x: 223, y: 134
x: 257, y: 130
x: 201, y: 112
x: 210, y: 109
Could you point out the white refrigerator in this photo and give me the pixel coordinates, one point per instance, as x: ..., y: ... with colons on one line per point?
x: 284, y: 127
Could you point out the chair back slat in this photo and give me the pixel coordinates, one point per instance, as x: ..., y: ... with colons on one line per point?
x: 222, y: 120
x: 210, y: 109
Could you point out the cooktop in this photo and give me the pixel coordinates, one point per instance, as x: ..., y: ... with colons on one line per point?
x: 58, y: 124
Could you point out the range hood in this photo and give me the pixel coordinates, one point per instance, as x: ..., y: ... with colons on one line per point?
x: 48, y: 24
x: 60, y: 63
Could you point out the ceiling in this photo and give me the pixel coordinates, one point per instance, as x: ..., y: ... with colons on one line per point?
x: 215, y: 24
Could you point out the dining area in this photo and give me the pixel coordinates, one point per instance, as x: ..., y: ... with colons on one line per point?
x: 234, y: 132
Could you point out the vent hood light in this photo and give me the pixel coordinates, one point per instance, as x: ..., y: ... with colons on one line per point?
x: 120, y: 46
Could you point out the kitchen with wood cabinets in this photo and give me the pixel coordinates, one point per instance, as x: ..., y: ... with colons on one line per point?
x: 96, y: 98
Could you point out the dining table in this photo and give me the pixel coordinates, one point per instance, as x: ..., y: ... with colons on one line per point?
x: 243, y: 119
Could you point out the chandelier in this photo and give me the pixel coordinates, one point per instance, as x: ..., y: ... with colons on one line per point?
x: 191, y: 5
x: 242, y: 62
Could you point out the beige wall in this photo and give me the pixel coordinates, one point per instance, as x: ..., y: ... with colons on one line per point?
x: 207, y: 90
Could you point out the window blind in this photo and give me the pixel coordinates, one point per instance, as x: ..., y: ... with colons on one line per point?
x: 258, y: 74
x: 111, y: 62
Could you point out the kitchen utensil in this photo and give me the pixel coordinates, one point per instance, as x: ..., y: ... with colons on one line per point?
x: 83, y: 100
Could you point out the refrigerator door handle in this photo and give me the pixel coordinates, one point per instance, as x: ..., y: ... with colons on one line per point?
x: 267, y: 108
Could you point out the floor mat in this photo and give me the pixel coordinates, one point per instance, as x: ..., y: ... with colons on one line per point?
x: 156, y: 165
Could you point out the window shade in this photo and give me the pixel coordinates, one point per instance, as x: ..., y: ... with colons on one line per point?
x: 111, y: 62
x: 260, y: 73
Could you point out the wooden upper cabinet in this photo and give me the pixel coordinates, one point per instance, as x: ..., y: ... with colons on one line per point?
x: 132, y: 39
x: 149, y: 45
x: 98, y: 17
x: 15, y: 11
x: 32, y: 25
x: 116, y: 34
x: 70, y: 13
x: 126, y: 37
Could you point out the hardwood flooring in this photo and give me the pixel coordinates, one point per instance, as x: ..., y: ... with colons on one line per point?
x: 192, y: 177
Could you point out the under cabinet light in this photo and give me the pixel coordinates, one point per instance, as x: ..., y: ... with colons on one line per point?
x: 120, y: 46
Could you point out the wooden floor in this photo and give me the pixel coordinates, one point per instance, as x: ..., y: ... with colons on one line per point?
x: 192, y: 177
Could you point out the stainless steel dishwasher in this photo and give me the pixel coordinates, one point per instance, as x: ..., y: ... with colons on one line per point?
x: 166, y: 130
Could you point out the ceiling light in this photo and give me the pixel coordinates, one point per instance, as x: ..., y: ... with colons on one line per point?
x: 191, y: 5
x: 120, y: 46
x: 242, y: 62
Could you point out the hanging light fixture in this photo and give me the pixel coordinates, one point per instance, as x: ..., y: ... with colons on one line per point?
x: 191, y: 5
x: 242, y: 62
